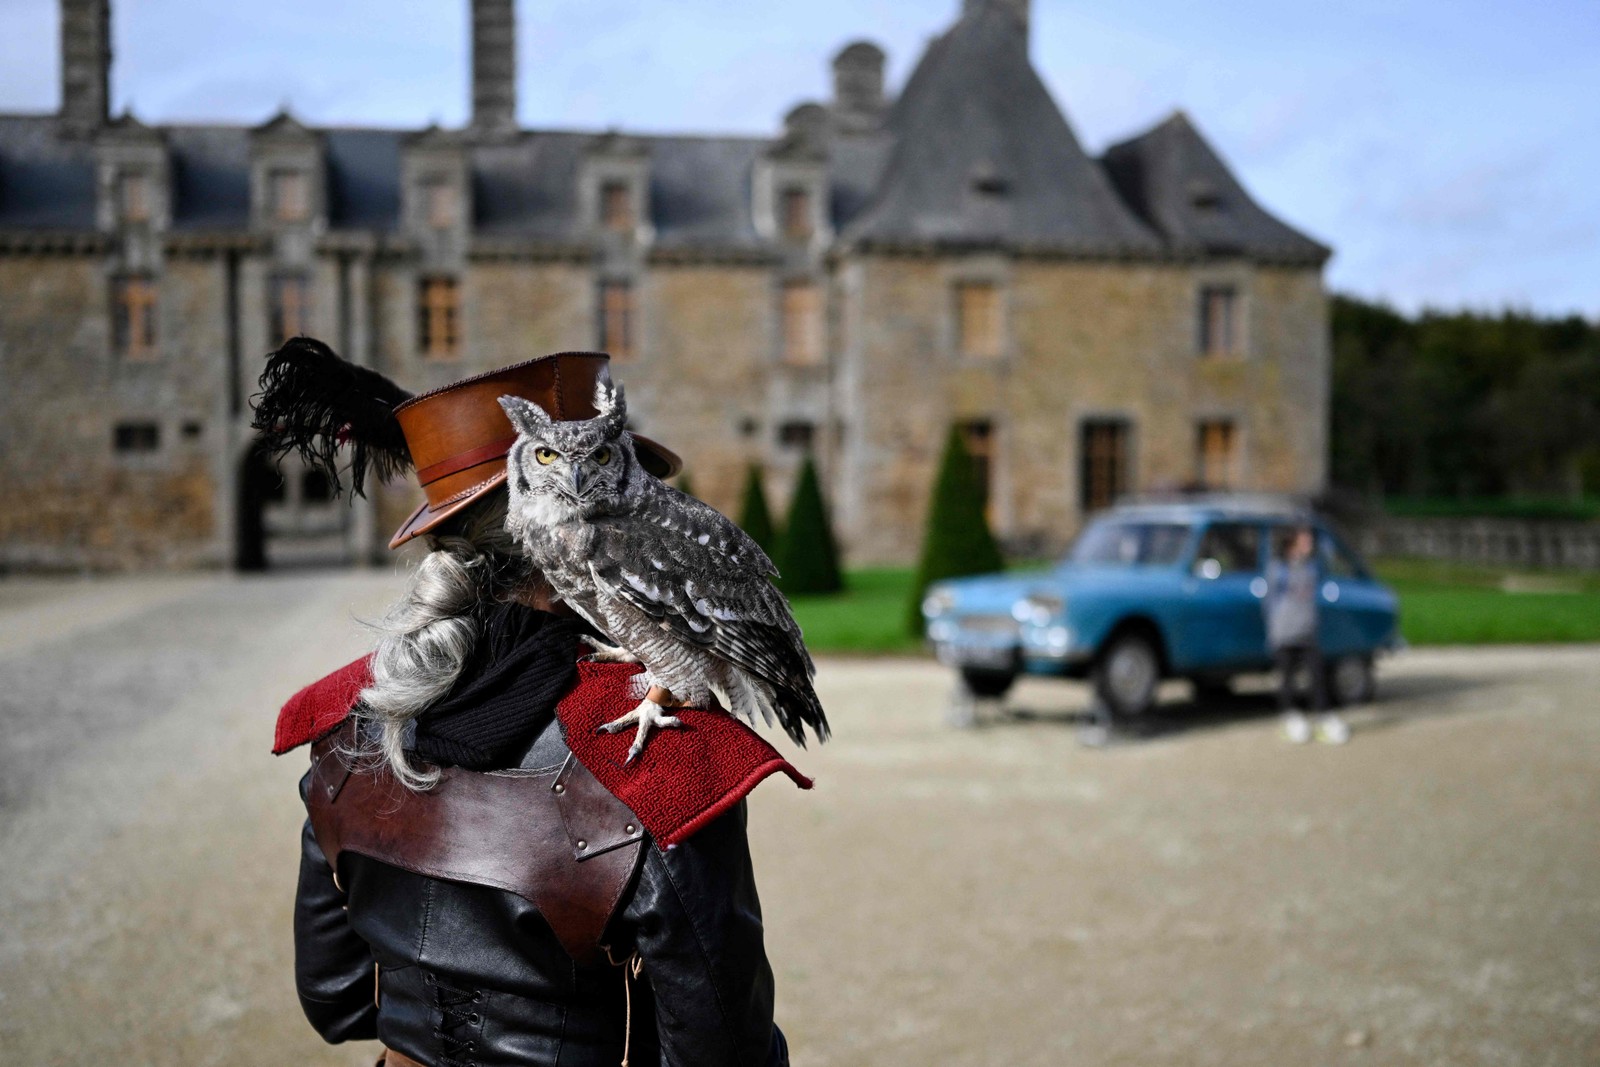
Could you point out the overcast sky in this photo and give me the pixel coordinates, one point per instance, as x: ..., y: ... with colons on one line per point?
x: 1448, y: 149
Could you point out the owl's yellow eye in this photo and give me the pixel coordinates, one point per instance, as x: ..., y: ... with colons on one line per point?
x: 603, y: 456
x: 546, y: 456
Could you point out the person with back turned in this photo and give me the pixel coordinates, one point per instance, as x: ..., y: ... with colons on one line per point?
x: 485, y: 877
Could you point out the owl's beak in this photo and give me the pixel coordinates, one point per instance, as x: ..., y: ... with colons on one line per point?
x: 577, y: 479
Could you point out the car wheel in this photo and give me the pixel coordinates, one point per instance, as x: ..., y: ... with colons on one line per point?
x: 1352, y: 680
x: 987, y: 684
x: 1126, y: 675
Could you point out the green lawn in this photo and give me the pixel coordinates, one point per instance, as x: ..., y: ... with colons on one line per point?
x: 1440, y: 604
x: 1454, y: 604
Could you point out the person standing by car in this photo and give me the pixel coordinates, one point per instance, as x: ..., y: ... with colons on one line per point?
x: 1292, y: 616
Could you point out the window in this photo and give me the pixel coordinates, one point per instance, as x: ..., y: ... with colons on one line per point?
x: 439, y: 202
x: 797, y: 434
x: 796, y: 205
x: 802, y: 324
x: 1216, y: 454
x: 616, y: 207
x: 978, y: 320
x: 133, y: 197
x: 1337, y: 559
x: 616, y: 319
x: 1219, y: 321
x: 1229, y: 548
x: 1103, y: 463
x: 290, y: 307
x: 130, y: 437
x: 134, y: 316
x: 290, y: 194
x: 1129, y: 544
x: 438, y: 318
x: 978, y: 436
x: 193, y: 428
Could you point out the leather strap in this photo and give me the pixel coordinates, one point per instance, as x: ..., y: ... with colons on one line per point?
x: 463, y: 460
x: 558, y: 839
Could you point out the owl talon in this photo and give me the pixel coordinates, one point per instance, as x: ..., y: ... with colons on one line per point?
x: 648, y: 715
x: 604, y: 653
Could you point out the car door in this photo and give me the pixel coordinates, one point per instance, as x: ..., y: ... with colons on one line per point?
x: 1355, y: 612
x: 1222, y: 598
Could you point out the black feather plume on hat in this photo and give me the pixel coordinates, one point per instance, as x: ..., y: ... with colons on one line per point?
x: 311, y: 402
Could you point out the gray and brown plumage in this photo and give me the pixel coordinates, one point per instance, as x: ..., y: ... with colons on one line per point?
x: 677, y: 585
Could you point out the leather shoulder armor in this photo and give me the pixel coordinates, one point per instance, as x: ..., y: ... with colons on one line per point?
x: 558, y: 839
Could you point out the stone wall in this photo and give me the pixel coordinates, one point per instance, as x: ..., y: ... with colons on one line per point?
x: 1494, y: 542
x: 1083, y: 340
x: 71, y: 499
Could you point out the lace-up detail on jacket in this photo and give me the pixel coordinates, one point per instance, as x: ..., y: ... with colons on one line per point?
x: 459, y: 1022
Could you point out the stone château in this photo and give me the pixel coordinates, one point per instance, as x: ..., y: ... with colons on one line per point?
x: 884, y: 267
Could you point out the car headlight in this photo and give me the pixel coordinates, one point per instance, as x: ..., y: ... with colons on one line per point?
x: 1037, y: 609
x: 937, y: 602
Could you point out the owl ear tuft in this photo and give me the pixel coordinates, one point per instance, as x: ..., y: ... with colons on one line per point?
x: 609, y: 400
x: 526, y: 416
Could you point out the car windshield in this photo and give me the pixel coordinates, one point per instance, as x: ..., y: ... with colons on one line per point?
x: 1126, y: 544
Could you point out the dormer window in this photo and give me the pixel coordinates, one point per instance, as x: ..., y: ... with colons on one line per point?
x: 440, y: 203
x: 1205, y: 197
x: 796, y: 213
x: 616, y: 207
x: 988, y: 180
x: 134, y: 197
x: 290, y: 195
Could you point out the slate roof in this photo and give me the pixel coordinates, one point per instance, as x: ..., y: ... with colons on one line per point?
x: 974, y: 111
x: 973, y: 153
x: 1183, y: 190
x: 46, y: 183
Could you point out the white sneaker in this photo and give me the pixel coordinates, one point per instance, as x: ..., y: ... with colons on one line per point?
x: 1296, y: 728
x: 1332, y: 730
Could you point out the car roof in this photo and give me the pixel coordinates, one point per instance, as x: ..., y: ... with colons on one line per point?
x: 1239, y: 508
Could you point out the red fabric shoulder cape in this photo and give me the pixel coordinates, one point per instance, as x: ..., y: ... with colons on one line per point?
x: 685, y: 777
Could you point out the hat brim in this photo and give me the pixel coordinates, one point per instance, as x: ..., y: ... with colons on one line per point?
x: 654, y: 457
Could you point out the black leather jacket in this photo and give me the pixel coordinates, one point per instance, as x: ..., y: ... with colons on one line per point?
x: 457, y: 974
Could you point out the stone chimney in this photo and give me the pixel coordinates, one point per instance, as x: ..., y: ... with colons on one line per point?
x: 858, y: 100
x: 494, y: 67
x: 1018, y: 9
x: 85, y: 65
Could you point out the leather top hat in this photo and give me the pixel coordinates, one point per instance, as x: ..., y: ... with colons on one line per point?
x: 458, y: 435
x: 455, y: 437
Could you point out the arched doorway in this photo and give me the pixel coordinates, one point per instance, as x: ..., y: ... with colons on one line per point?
x: 288, y: 515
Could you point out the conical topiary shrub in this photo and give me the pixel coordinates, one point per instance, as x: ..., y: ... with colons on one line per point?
x: 957, y: 540
x: 755, y: 518
x: 808, y: 558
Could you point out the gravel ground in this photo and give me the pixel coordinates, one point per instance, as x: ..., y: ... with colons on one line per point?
x: 1203, y: 894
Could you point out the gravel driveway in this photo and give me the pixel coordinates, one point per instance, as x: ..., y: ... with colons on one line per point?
x: 1206, y: 894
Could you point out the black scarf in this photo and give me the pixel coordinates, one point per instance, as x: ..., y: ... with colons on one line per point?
x: 524, y: 663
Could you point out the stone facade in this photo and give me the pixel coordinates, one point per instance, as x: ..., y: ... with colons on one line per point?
x: 803, y: 294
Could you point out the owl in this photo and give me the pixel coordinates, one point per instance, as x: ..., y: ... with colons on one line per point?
x: 671, y: 580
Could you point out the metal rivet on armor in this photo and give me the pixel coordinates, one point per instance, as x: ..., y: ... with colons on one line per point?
x: 560, y: 788
x: 632, y: 828
x: 582, y: 845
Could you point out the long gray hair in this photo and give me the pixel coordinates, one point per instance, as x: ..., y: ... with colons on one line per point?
x: 428, y: 635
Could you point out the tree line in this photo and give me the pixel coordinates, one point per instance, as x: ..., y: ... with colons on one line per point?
x: 1463, y: 404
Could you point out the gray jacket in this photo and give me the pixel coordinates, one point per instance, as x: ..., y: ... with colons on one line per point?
x: 1291, y: 603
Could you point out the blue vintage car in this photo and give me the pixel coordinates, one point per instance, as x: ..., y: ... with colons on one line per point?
x: 1153, y: 591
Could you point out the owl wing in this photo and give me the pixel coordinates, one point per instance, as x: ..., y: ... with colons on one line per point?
x: 687, y: 566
